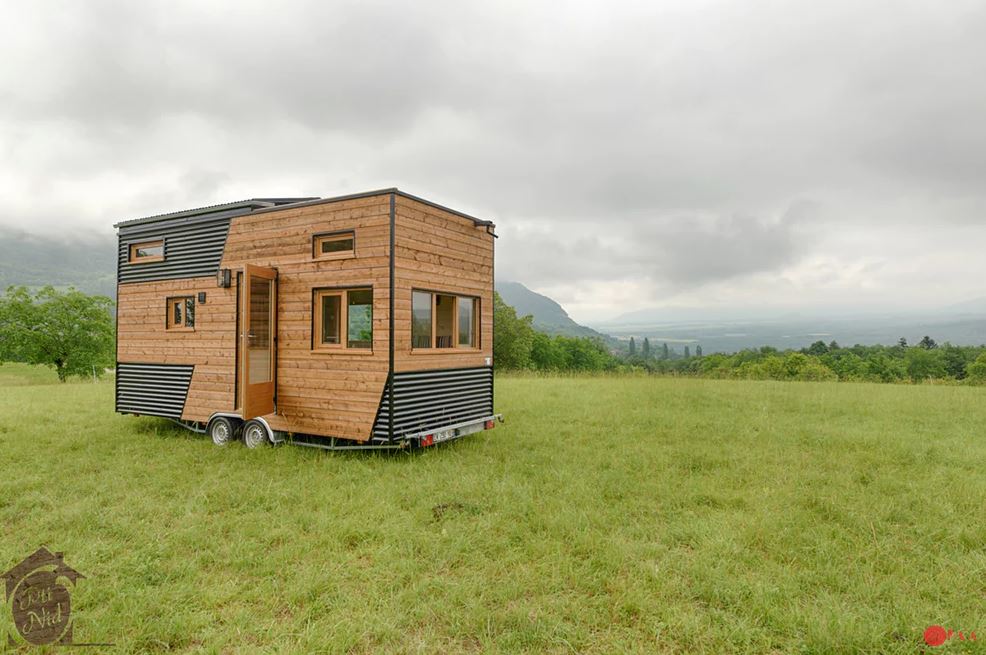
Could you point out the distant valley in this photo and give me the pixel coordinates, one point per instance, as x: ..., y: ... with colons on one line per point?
x: 90, y: 266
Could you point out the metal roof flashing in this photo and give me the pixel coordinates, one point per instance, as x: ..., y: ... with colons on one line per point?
x: 262, y: 205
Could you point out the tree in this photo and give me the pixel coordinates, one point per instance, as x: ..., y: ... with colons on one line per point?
x: 67, y: 330
x: 665, y: 353
x: 928, y: 343
x: 513, y: 337
x: 687, y: 353
x: 646, y: 349
x: 633, y: 347
x: 976, y: 370
x: 902, y: 342
x: 818, y: 349
x: 834, y: 345
x: 698, y: 351
x: 955, y: 360
x: 924, y: 364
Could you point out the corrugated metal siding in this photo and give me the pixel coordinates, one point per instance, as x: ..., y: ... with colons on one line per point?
x: 152, y: 389
x: 425, y: 400
x: 193, y: 247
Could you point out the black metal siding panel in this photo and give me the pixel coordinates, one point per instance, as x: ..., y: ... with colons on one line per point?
x: 192, y: 247
x: 429, y: 400
x: 152, y: 389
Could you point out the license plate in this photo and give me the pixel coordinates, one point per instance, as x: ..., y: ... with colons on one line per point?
x: 445, y: 435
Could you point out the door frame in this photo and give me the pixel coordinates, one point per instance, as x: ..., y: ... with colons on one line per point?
x: 258, y: 399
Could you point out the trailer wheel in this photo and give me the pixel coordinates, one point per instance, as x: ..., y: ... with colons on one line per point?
x: 222, y: 430
x: 255, y: 434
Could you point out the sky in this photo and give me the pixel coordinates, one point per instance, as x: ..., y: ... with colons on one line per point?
x: 804, y: 156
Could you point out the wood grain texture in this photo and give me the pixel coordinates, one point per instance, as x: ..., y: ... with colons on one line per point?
x: 440, y: 251
x: 143, y: 337
x: 335, y: 393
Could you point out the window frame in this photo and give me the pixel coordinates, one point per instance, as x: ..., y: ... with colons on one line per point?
x: 338, y: 235
x: 133, y: 258
x: 169, y: 317
x: 317, y: 346
x: 476, y: 344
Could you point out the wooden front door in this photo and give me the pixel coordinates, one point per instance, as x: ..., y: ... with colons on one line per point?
x: 258, y: 340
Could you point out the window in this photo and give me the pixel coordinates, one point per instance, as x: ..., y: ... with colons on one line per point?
x: 343, y: 319
x: 181, y: 313
x: 147, y: 252
x: 441, y: 320
x: 421, y: 319
x: 336, y: 245
x: 465, y: 326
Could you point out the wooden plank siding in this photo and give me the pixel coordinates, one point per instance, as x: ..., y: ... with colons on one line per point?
x: 321, y: 393
x: 326, y: 393
x: 143, y: 337
x: 440, y: 251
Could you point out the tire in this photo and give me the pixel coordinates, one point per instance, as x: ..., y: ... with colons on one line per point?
x: 222, y: 430
x: 255, y: 434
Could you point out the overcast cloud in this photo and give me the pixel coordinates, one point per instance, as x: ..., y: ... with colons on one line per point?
x: 784, y: 154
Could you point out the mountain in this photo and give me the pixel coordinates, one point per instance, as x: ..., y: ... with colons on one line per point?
x: 549, y: 316
x: 88, y: 264
x: 973, y: 306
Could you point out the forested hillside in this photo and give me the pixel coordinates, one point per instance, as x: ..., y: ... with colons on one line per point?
x: 88, y: 264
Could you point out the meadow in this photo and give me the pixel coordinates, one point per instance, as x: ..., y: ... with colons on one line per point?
x: 607, y: 515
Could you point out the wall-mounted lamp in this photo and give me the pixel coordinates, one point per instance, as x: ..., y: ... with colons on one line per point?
x: 223, y: 278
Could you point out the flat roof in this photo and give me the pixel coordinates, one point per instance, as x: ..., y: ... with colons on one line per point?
x: 262, y: 205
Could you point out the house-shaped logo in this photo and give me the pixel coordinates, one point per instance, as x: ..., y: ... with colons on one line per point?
x: 40, y: 602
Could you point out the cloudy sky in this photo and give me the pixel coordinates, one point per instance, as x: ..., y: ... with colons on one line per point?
x: 794, y: 155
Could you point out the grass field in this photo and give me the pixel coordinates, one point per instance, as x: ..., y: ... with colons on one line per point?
x: 607, y: 515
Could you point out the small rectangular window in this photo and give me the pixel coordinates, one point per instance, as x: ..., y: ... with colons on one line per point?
x: 147, y: 252
x: 334, y: 246
x: 343, y: 318
x: 421, y: 320
x: 181, y: 313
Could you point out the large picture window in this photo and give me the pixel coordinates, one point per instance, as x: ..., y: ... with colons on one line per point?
x: 343, y: 319
x: 444, y: 321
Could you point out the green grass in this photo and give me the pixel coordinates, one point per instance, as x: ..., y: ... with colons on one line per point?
x: 608, y: 515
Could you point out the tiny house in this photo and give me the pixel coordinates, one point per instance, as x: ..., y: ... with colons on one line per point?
x: 361, y: 321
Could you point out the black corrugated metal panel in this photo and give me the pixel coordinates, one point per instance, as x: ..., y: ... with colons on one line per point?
x: 427, y: 400
x: 253, y: 203
x: 152, y: 389
x: 193, y: 247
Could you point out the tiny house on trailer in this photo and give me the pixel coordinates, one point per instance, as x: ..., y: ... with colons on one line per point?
x: 362, y: 321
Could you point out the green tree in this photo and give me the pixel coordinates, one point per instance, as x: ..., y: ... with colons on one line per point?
x: 513, y: 336
x: 955, y: 360
x: 818, y: 349
x: 698, y: 351
x: 924, y: 364
x: 976, y: 370
x: 928, y: 343
x: 687, y: 352
x: 665, y: 353
x: 633, y: 347
x: 67, y: 330
x: 645, y: 351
